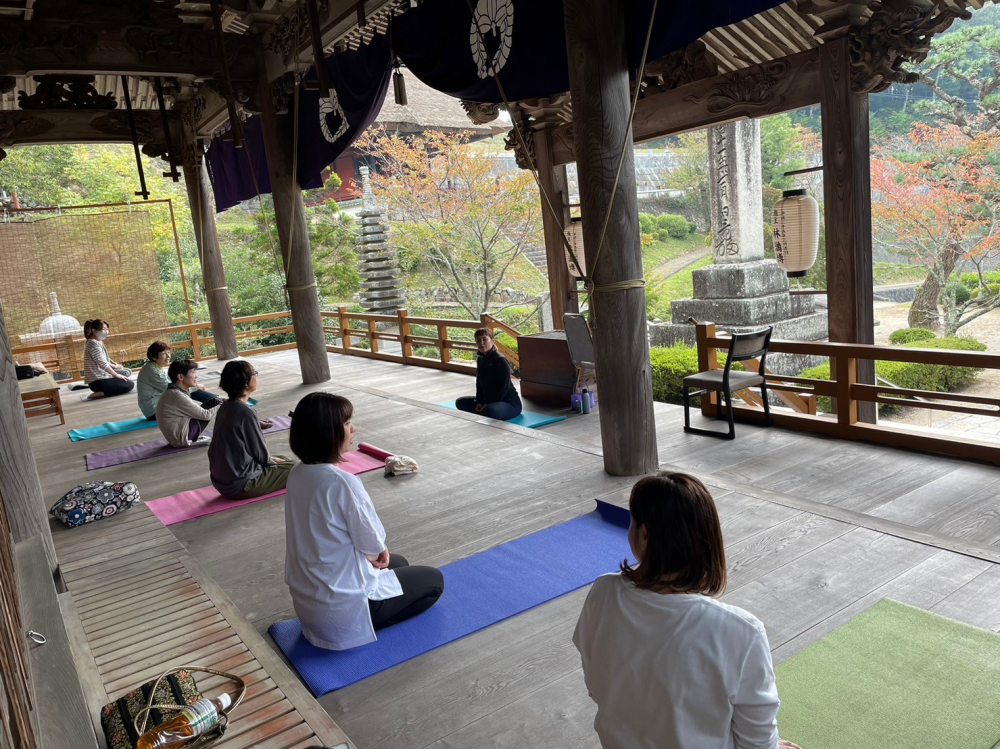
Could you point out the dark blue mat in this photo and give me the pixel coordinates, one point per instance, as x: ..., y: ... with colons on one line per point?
x: 523, y: 419
x: 479, y: 591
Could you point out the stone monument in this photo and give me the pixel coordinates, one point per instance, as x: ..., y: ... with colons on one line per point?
x: 381, y: 283
x: 741, y: 290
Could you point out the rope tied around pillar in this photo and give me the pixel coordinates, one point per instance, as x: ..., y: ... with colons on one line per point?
x: 300, y: 288
x: 217, y: 288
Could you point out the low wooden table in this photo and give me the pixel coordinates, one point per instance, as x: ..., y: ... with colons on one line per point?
x: 40, y: 396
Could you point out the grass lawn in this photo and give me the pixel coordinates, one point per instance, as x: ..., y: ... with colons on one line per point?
x: 659, y: 252
x: 886, y: 274
x: 659, y: 294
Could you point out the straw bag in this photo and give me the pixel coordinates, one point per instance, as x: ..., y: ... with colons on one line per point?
x: 128, y: 717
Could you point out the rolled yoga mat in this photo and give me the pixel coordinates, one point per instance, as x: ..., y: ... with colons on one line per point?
x: 117, y: 427
x: 894, y: 677
x: 524, y: 419
x: 480, y: 590
x: 197, y: 503
x: 159, y: 448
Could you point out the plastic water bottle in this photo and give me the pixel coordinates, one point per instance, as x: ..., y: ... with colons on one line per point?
x: 585, y: 398
x: 190, y: 722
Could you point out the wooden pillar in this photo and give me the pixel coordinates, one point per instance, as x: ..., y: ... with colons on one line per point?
x: 293, y: 233
x: 220, y: 312
x: 599, y: 83
x: 847, y: 194
x: 554, y: 182
x: 20, y: 490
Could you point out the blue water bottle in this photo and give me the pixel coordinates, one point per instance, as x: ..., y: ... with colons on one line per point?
x: 585, y: 398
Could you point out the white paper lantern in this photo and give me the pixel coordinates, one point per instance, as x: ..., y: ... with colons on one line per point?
x: 795, y: 224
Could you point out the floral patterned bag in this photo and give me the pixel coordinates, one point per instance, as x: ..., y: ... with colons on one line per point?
x: 94, y: 501
x: 118, y: 717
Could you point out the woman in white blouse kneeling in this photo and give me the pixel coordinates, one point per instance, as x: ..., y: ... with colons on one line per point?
x: 669, y: 666
x: 345, y: 584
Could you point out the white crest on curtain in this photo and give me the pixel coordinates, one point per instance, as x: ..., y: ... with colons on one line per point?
x: 327, y: 106
x: 494, y: 17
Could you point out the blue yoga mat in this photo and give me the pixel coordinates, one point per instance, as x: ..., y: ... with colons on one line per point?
x: 117, y: 427
x: 478, y: 591
x: 524, y: 419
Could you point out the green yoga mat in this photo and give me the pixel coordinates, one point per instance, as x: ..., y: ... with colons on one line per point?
x: 894, y: 677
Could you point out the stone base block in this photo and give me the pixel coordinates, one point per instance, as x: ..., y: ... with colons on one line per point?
x: 762, y: 310
x: 803, y: 304
x: 739, y: 280
x: 811, y: 327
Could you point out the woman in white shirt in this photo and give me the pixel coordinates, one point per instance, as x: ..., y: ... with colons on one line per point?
x: 345, y: 584
x: 103, y: 376
x: 669, y: 666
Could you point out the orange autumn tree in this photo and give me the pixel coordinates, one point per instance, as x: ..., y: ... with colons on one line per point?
x: 935, y: 200
x: 455, y: 210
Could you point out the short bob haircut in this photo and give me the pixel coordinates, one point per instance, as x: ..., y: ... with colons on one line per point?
x: 485, y: 333
x: 180, y: 368
x: 156, y: 348
x: 317, y: 434
x: 684, y: 550
x: 235, y: 379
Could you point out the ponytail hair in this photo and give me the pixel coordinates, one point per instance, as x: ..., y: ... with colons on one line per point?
x: 92, y: 326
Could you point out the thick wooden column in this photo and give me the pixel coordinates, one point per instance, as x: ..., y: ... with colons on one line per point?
x: 293, y: 233
x: 599, y: 83
x: 847, y: 194
x: 20, y: 490
x: 220, y: 312
x: 553, y: 181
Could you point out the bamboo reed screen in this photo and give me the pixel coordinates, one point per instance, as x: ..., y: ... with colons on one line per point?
x: 100, y: 265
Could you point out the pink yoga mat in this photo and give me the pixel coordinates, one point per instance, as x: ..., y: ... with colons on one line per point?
x: 200, y: 502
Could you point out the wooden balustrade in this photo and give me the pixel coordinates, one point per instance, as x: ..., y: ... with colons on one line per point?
x: 800, y: 393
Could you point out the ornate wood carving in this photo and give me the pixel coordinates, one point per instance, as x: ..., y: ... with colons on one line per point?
x: 281, y: 92
x: 898, y: 32
x: 61, y: 91
x: 14, y: 126
x: 679, y: 68
x: 7, y: 83
x: 513, y: 143
x: 192, y: 111
x: 759, y: 86
x: 116, y: 123
x: 480, y: 112
x: 63, y: 41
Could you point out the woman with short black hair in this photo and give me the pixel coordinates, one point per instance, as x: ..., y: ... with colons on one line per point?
x: 496, y: 397
x: 345, y: 584
x: 669, y: 665
x: 238, y: 459
x: 181, y: 419
x: 102, y: 375
x: 153, y: 380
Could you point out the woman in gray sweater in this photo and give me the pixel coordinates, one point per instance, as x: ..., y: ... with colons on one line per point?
x: 182, y: 419
x: 238, y: 459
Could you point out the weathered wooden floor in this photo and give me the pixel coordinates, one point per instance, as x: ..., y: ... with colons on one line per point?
x: 817, y: 530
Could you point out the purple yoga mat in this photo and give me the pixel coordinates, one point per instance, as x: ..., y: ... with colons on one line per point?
x: 159, y: 448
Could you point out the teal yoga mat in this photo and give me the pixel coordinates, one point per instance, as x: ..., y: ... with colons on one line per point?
x: 116, y: 427
x: 525, y: 419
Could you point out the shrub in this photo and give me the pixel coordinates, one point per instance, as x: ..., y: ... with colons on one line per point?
x: 662, y: 235
x: 647, y: 223
x: 937, y: 377
x: 909, y: 335
x: 670, y: 366
x: 961, y: 292
x: 676, y: 226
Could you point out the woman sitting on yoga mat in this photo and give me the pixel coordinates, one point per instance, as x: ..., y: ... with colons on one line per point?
x: 345, y: 584
x: 238, y: 460
x: 496, y: 396
x: 153, y: 381
x: 103, y: 376
x: 180, y: 418
x: 669, y: 665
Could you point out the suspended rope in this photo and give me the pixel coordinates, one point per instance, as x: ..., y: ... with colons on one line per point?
x: 260, y: 202
x: 588, y: 278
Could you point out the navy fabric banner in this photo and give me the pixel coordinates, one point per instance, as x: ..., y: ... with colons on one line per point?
x: 359, y: 81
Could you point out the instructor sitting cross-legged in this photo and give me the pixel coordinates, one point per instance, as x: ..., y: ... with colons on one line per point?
x: 496, y: 396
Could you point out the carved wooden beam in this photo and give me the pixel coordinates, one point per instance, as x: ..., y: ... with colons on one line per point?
x: 43, y: 126
x: 762, y: 90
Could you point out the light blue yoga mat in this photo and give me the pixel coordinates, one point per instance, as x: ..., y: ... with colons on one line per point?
x: 524, y: 419
x: 478, y: 591
x: 117, y: 427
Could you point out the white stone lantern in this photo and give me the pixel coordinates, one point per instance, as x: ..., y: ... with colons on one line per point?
x: 795, y: 223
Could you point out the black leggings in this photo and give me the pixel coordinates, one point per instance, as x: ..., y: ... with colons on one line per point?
x: 111, y: 386
x: 500, y: 410
x: 422, y: 586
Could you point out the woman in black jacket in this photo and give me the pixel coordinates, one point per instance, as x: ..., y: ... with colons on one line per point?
x: 496, y: 396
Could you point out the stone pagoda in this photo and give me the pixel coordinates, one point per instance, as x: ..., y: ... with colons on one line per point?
x: 381, y: 282
x: 741, y: 290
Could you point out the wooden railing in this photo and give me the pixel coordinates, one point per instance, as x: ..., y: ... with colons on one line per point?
x: 847, y: 393
x: 354, y: 328
x: 347, y: 330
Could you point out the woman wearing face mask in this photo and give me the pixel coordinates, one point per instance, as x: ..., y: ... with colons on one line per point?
x: 103, y: 376
x: 496, y: 396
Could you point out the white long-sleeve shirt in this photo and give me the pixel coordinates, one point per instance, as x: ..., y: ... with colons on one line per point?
x: 330, y: 525
x: 675, y: 671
